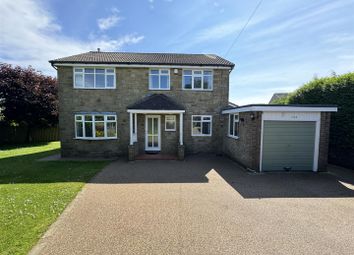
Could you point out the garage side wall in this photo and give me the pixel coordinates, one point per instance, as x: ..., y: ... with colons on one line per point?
x: 324, y: 141
x: 246, y: 149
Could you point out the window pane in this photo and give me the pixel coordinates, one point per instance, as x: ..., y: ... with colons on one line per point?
x: 197, y: 72
x: 150, y: 141
x: 154, y: 71
x: 231, y: 124
x: 99, y: 80
x: 164, y: 81
x: 197, y: 118
x: 236, y: 117
x: 99, y: 70
x: 78, y: 117
x: 88, y: 118
x: 88, y: 129
x: 99, y: 129
x: 206, y: 128
x: 110, y: 70
x: 187, y: 82
x: 111, y: 117
x: 207, y: 73
x: 197, y: 82
x: 89, y: 70
x: 154, y: 81
x: 110, y: 81
x: 196, y: 128
x: 206, y: 118
x: 79, y: 70
x: 111, y: 129
x: 187, y: 72
x: 79, y: 129
x: 236, y: 129
x: 89, y: 80
x: 207, y: 82
x: 164, y: 71
x: 99, y: 118
x: 79, y: 80
x: 155, y: 126
x: 170, y: 123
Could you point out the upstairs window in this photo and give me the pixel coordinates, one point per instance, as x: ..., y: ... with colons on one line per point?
x: 198, y: 79
x: 95, y: 126
x: 159, y: 79
x: 201, y: 125
x: 233, y: 125
x: 94, y: 78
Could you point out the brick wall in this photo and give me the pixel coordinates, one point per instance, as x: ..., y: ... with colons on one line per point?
x: 324, y: 141
x: 132, y: 85
x: 246, y: 148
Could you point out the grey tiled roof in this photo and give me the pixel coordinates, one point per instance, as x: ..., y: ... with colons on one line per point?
x: 156, y: 102
x: 99, y: 57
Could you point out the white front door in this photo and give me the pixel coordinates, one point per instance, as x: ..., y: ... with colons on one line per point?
x: 152, y: 133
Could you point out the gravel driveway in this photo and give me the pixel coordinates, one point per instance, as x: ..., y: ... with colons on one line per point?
x: 206, y: 205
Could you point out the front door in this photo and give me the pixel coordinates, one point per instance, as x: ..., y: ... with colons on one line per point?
x: 152, y: 133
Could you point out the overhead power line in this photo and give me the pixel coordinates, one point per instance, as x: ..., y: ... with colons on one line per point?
x: 244, y: 27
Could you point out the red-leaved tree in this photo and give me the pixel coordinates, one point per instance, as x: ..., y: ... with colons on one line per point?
x: 27, y: 96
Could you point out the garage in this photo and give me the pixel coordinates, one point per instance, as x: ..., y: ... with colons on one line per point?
x: 278, y: 138
x: 288, y: 145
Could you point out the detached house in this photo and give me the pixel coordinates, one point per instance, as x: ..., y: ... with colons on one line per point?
x: 114, y: 103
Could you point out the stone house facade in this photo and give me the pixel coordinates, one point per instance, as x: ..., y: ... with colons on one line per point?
x: 129, y: 104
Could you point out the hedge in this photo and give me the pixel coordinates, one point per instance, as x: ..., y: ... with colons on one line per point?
x: 338, y: 90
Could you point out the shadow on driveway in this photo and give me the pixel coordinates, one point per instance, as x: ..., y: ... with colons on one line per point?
x: 337, y: 182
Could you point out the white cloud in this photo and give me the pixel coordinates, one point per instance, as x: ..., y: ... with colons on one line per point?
x: 31, y: 36
x: 110, y: 21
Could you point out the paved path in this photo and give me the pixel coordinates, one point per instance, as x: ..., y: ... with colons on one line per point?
x: 206, y: 205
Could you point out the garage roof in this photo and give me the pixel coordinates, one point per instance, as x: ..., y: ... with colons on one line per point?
x: 282, y: 108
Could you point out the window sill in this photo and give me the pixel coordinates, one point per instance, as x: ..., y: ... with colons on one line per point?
x: 95, y: 139
x: 95, y: 88
x: 170, y: 130
x: 201, y: 135
x: 198, y: 90
x: 159, y: 89
x: 234, y: 137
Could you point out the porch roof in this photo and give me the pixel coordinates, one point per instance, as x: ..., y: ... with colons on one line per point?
x: 154, y: 103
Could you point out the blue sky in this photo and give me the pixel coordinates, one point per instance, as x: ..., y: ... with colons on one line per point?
x: 285, y: 44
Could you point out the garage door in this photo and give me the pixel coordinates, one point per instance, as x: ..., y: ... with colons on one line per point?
x: 288, y: 145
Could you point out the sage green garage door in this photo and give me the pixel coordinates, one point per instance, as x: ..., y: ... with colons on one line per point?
x: 288, y: 145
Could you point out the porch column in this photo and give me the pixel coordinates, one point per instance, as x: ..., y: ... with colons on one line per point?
x: 181, y: 128
x: 131, y: 128
x: 136, y: 127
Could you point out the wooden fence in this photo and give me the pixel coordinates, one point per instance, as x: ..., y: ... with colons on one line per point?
x: 21, y: 134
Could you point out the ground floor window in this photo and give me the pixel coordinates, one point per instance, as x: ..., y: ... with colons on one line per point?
x: 95, y: 126
x: 233, y: 125
x: 201, y: 125
x: 170, y: 123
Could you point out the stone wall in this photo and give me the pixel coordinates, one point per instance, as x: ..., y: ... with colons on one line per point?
x: 132, y: 85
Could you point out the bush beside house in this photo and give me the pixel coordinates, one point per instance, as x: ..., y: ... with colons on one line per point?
x: 339, y: 90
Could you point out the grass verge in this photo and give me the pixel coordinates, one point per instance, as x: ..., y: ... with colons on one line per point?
x: 33, y: 193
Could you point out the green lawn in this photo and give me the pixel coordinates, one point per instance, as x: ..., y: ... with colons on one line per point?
x: 33, y: 194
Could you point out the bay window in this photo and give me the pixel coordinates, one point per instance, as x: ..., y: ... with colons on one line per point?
x: 95, y: 126
x: 94, y: 78
x: 201, y: 125
x: 159, y: 79
x: 197, y: 79
x: 234, y: 125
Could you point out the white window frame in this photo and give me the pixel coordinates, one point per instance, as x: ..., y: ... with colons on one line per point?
x: 202, y: 121
x: 94, y: 73
x: 174, y: 121
x: 159, y: 76
x: 235, y: 122
x: 198, y: 75
x: 105, y: 121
